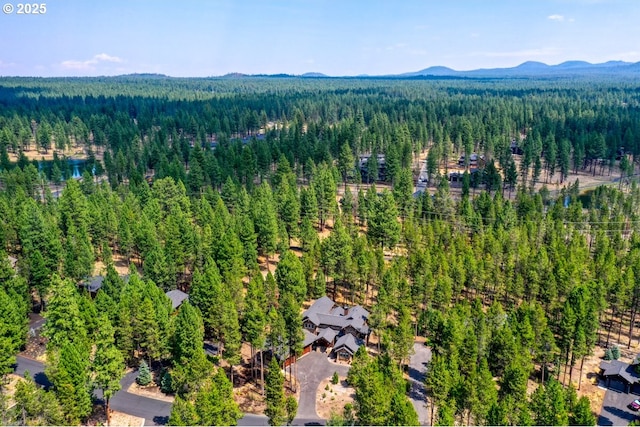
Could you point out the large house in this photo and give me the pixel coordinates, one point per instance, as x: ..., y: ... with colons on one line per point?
x: 331, y: 326
x: 621, y: 376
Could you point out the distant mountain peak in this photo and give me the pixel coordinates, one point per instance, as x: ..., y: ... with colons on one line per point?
x: 313, y: 74
x: 532, y: 64
x: 533, y: 68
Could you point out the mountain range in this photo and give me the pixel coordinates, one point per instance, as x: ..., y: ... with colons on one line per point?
x: 535, y: 69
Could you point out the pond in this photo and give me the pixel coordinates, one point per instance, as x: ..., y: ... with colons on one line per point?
x: 74, y: 169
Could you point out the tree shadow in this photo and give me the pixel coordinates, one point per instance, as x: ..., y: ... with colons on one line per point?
x: 416, y: 375
x: 161, y: 421
x: 41, y: 379
x: 617, y: 412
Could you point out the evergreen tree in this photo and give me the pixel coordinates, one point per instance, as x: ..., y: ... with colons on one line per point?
x: 383, y: 227
x: 144, y: 374
x: 64, y: 323
x: 68, y: 370
x: 582, y: 415
x: 276, y: 403
x: 108, y: 363
x: 13, y: 330
x: 35, y: 406
x: 291, y: 405
x: 290, y: 276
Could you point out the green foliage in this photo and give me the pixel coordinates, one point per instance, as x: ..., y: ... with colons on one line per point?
x: 276, y: 409
x: 144, y: 374
x: 64, y: 322
x: 334, y: 378
x: 210, y: 405
x: 166, y: 382
x: 582, y: 415
x: 615, y: 352
x: 608, y: 354
x: 291, y: 405
x: 68, y: 370
x: 383, y: 227
x: 374, y: 381
x: 13, y: 329
x: 108, y: 362
x: 290, y: 276
x: 35, y: 406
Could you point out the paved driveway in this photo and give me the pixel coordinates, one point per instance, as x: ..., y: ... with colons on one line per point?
x: 417, y: 374
x: 312, y: 369
x: 614, y: 410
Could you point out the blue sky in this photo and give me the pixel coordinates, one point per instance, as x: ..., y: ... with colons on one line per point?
x: 335, y: 37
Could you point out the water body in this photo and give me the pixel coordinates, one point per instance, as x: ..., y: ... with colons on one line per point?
x: 74, y: 168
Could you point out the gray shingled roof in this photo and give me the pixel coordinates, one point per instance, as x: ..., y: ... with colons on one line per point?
x: 92, y: 284
x: 358, y: 317
x: 177, y: 297
x: 622, y: 369
x: 309, y: 338
x: 328, y: 334
x: 321, y: 305
x: 347, y: 342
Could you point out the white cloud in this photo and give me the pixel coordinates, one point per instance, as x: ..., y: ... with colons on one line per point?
x: 7, y: 64
x: 106, y: 58
x: 558, y: 18
x: 90, y: 64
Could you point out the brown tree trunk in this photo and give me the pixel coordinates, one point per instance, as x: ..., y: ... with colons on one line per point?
x: 580, y: 379
x: 620, y: 316
x: 633, y: 319
x: 262, y: 371
x: 107, y: 410
x: 433, y: 409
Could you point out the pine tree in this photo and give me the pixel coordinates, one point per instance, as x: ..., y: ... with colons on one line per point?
x: 276, y: 404
x: 64, y: 323
x: 35, y: 406
x: 214, y: 402
x: 254, y: 321
x: 582, y: 415
x: 144, y: 374
x: 291, y: 405
x: 290, y: 276
x: 13, y: 330
x: 68, y: 371
x: 383, y: 227
x: 190, y: 363
x: 183, y: 413
x: 324, y: 187
x: 346, y: 162
x: 108, y: 363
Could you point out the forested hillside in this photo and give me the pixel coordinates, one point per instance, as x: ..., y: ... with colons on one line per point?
x: 250, y: 194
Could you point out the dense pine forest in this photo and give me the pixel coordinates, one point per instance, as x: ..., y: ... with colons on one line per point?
x: 258, y: 195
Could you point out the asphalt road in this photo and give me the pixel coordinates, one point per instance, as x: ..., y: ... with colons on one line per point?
x: 614, y: 410
x: 312, y: 369
x: 155, y: 412
x: 417, y: 375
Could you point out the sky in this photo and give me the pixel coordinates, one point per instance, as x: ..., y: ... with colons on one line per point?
x: 186, y: 38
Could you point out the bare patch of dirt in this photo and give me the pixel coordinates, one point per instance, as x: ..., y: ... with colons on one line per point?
x: 250, y: 399
x: 152, y: 392
x: 9, y: 388
x: 99, y: 418
x: 119, y: 263
x: 36, y: 348
x: 588, y: 383
x: 332, y: 397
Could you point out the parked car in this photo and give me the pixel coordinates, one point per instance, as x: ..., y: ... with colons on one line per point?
x: 635, y: 405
